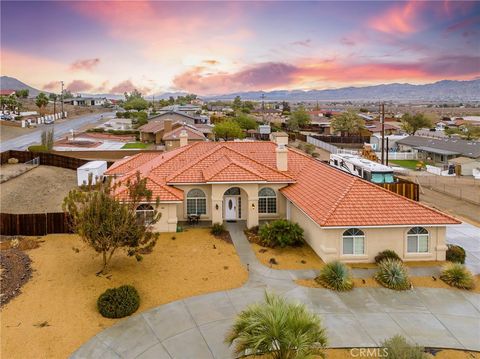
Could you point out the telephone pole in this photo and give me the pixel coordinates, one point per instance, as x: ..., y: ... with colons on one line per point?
x: 382, y: 106
x: 263, y: 108
x: 61, y: 99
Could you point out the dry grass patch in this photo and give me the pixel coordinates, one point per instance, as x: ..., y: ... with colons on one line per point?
x: 289, y: 257
x: 56, y: 312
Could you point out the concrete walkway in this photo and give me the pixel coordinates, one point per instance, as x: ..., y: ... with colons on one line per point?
x: 195, y: 327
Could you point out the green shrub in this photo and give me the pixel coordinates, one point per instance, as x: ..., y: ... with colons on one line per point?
x: 281, y: 233
x: 456, y: 275
x: 218, y: 229
x: 386, y: 254
x: 38, y: 148
x: 393, y: 274
x: 455, y: 254
x: 335, y: 275
x: 118, y: 302
x: 397, y: 347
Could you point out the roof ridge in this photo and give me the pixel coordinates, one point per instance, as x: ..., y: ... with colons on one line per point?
x: 125, y: 160
x: 164, y: 185
x: 246, y: 168
x: 340, y: 198
x: 260, y: 163
x: 223, y: 166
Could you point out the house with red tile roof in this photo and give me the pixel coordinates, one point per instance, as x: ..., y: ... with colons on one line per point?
x: 344, y: 217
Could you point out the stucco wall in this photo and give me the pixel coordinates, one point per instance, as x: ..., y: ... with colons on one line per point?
x: 327, y: 243
x: 168, y: 219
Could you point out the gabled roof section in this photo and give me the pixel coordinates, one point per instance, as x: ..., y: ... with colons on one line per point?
x: 130, y: 163
x: 193, y: 134
x: 225, y: 169
x: 159, y: 190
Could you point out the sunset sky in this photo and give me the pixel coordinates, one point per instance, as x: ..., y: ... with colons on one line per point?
x: 219, y: 47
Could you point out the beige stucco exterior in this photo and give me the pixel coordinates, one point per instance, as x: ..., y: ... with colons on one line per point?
x: 328, y: 242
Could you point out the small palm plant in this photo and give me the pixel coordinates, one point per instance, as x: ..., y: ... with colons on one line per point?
x: 282, y: 329
x: 335, y: 275
x: 393, y: 274
x: 456, y: 275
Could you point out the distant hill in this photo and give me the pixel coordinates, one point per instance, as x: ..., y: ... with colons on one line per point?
x: 11, y: 83
x: 446, y: 90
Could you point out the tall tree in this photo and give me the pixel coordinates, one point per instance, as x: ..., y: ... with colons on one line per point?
x: 22, y: 93
x: 246, y: 122
x: 108, y: 224
x: 279, y: 329
x: 136, y: 103
x: 298, y: 119
x: 237, y: 103
x: 347, y: 123
x: 412, y: 123
x: 228, y: 130
x: 41, y: 101
x: 285, y: 108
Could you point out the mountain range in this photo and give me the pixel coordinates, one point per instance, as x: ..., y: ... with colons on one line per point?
x: 445, y: 90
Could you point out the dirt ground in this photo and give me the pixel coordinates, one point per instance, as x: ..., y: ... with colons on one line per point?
x: 9, y: 132
x: 37, y: 191
x: 9, y: 171
x: 428, y: 282
x: 56, y: 312
x: 289, y: 257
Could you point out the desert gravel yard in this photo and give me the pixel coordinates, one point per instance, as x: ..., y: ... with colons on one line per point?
x: 56, y: 311
x: 37, y: 191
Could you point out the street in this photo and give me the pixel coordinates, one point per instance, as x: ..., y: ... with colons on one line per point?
x: 60, y: 128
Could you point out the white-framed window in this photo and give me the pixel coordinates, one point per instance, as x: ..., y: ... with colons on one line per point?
x: 145, y: 213
x: 417, y: 240
x: 196, y: 202
x: 353, y: 242
x: 267, y: 201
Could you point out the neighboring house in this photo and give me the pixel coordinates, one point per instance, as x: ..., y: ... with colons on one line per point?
x: 465, y: 166
x: 180, y: 116
x: 182, y: 136
x: 344, y: 217
x: 85, y: 101
x: 375, y: 128
x: 155, y: 130
x: 188, y: 109
x: 7, y: 92
x: 440, y: 150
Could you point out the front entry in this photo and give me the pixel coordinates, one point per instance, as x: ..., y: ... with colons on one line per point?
x: 230, y: 206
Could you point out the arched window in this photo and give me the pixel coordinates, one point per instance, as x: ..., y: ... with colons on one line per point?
x: 145, y: 213
x: 196, y: 202
x: 353, y: 241
x: 417, y: 240
x: 234, y: 191
x: 267, y: 201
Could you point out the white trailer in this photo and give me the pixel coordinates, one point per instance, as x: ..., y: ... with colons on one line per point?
x: 95, y: 169
x: 361, y: 167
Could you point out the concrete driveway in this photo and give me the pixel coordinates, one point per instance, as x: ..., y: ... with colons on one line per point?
x: 195, y: 327
x: 467, y: 236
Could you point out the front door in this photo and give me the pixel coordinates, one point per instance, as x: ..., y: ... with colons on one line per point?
x: 230, y: 208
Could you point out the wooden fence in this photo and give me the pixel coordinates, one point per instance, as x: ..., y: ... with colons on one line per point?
x: 404, y: 188
x: 34, y: 224
x: 46, y: 159
x: 343, y: 139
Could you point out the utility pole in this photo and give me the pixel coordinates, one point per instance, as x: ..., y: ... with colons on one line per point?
x: 263, y: 108
x: 61, y: 99
x: 382, y: 106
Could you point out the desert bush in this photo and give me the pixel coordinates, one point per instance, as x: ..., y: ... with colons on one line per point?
x: 118, y: 302
x: 456, y: 275
x: 37, y: 148
x: 386, y: 254
x: 12, y: 161
x: 218, y: 229
x: 393, y: 274
x: 397, y: 347
x: 281, y: 233
x: 455, y: 254
x: 335, y: 275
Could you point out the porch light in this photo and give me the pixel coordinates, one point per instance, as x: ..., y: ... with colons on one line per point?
x: 216, y: 206
x: 253, y: 205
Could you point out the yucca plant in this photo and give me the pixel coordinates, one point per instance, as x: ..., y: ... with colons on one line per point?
x: 282, y: 329
x: 456, y: 275
x: 397, y: 347
x: 393, y: 274
x: 335, y: 275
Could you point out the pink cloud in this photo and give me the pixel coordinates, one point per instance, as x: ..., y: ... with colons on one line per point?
x: 400, y: 19
x: 79, y: 86
x: 53, y: 85
x: 86, y: 64
x: 127, y: 86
